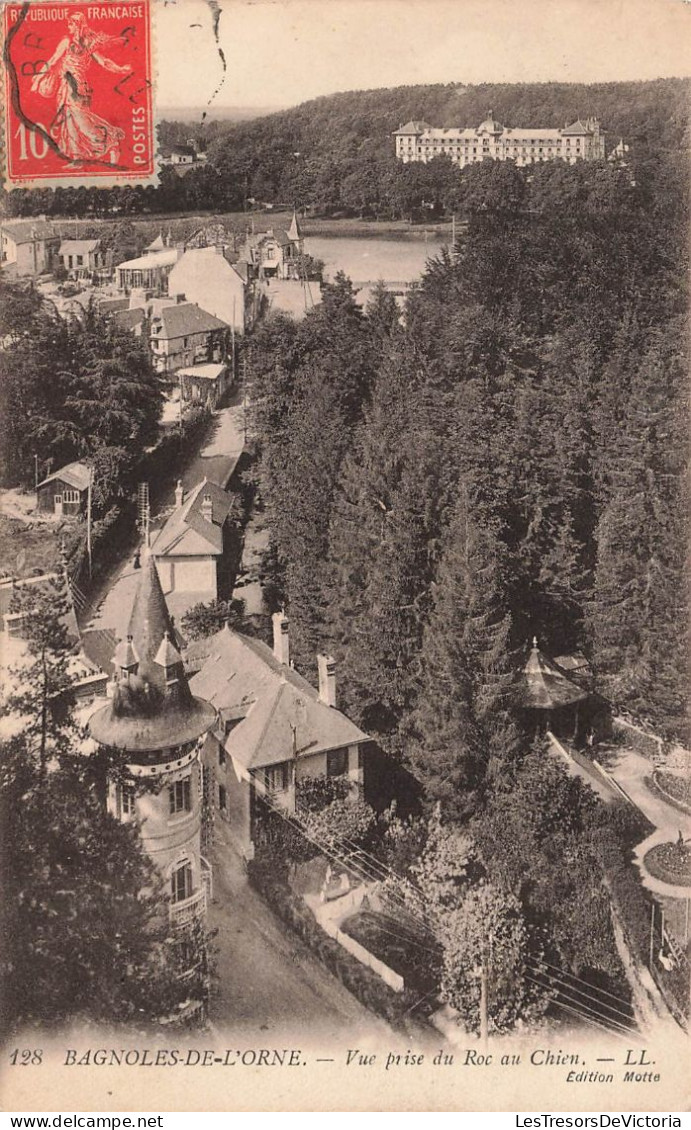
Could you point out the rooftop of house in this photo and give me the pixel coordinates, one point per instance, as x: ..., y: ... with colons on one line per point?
x: 241, y: 268
x: 279, y: 715
x: 546, y: 686
x: 98, y: 648
x: 158, y: 243
x: 209, y: 372
x: 26, y: 231
x: 109, y: 305
x: 187, y: 318
x: 79, y: 246
x: 277, y: 235
x: 152, y: 707
x: 128, y: 319
x: 76, y: 475
x: 189, y: 532
x: 207, y: 262
x: 165, y: 258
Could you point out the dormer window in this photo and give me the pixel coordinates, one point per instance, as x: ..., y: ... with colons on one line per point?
x: 170, y: 659
x: 126, y: 660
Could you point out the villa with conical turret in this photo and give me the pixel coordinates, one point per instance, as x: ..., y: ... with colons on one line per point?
x: 154, y: 720
x: 274, y: 253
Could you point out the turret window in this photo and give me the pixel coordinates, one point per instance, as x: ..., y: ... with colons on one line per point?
x: 180, y: 797
x: 127, y: 800
x: 181, y: 883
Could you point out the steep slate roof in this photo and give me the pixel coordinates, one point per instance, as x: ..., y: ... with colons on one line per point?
x: 98, y: 648
x: 546, y: 686
x: 187, y: 318
x: 110, y: 305
x: 411, y: 127
x: 128, y: 319
x: 74, y: 474
x: 153, y: 709
x: 577, y: 129
x: 278, y: 234
x: 187, y: 533
x: 241, y: 268
x: 243, y: 679
x: 26, y: 231
x: 79, y: 246
x: 294, y: 232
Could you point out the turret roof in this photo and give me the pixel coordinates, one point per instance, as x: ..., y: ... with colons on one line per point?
x: 148, y: 711
x: 294, y: 232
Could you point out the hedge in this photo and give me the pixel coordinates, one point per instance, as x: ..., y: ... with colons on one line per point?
x: 365, y: 985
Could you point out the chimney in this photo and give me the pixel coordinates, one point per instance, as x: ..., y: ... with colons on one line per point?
x: 207, y: 508
x: 281, y: 637
x: 179, y: 494
x: 327, y: 679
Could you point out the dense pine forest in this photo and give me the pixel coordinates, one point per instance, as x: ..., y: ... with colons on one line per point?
x: 508, y: 461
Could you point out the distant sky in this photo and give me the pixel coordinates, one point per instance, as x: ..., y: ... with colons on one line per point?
x: 281, y: 52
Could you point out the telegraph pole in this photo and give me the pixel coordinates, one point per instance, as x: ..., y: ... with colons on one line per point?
x: 484, y: 1020
x: 88, y: 518
x: 652, y: 936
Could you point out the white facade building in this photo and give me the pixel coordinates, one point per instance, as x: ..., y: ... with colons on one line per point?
x: 581, y: 141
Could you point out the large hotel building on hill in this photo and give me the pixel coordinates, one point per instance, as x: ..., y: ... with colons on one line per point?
x: 581, y: 141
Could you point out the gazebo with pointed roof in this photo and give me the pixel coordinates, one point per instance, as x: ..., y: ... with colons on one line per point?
x: 554, y: 701
x: 152, y: 708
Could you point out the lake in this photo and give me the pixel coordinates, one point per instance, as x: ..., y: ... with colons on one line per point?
x: 366, y: 259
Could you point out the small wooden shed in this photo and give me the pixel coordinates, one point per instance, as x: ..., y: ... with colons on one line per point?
x: 64, y: 493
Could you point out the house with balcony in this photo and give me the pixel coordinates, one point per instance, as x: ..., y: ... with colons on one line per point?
x: 182, y: 334
x: 273, y: 727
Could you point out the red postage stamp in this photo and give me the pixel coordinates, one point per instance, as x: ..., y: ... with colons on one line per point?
x: 78, y: 91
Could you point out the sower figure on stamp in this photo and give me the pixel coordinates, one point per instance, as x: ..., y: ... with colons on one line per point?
x: 80, y: 133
